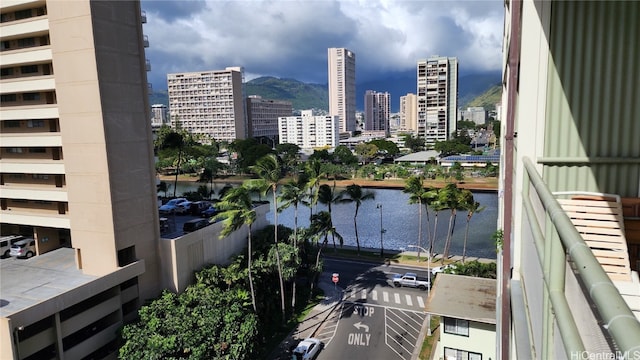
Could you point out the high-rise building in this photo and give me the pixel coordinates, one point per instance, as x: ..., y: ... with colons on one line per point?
x: 309, y: 131
x: 209, y: 103
x: 263, y: 116
x: 159, y: 115
x: 342, y: 87
x: 437, y: 98
x: 377, y: 106
x: 408, y: 113
x: 77, y: 176
x: 477, y: 114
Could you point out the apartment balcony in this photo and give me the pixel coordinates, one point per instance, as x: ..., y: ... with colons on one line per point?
x: 143, y: 17
x: 562, y: 297
x: 145, y: 41
x: 148, y: 65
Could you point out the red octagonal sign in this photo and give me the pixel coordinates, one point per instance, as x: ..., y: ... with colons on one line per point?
x: 334, y: 278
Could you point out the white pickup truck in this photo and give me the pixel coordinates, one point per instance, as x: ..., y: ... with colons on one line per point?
x: 411, y: 280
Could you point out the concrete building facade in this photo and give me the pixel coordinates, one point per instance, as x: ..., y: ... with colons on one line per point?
x: 77, y: 176
x: 209, y: 103
x: 408, y: 113
x: 159, y: 115
x: 437, y: 98
x: 263, y: 116
x: 309, y: 131
x: 342, y: 87
x: 377, y: 108
x: 477, y: 114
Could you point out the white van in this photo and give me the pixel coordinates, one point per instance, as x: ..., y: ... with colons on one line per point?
x: 6, y: 242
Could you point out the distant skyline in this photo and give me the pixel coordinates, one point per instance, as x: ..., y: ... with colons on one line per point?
x: 289, y: 39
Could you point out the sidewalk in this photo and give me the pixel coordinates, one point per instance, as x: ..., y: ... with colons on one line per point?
x: 309, y: 326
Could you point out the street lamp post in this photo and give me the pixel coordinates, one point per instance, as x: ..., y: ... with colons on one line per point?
x: 379, y: 206
x: 428, y: 286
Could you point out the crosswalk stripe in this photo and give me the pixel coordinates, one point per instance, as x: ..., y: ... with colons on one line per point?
x: 385, y: 296
x: 409, y: 302
x: 353, y: 293
x: 420, y: 302
x: 397, y: 298
x: 364, y: 294
x: 374, y: 295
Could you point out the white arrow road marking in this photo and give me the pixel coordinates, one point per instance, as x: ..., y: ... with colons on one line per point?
x: 409, y: 302
x: 359, y: 325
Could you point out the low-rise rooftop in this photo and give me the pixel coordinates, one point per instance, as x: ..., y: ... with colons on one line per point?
x: 463, y: 297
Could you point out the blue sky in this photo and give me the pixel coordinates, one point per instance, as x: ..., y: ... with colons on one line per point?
x: 290, y: 38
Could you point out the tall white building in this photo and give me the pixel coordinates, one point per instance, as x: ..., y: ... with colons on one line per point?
x: 437, y: 98
x: 309, y: 131
x: 209, y: 103
x: 408, y: 113
x: 377, y: 107
x: 477, y: 114
x: 342, y: 87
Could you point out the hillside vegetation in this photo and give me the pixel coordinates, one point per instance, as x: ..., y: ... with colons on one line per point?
x: 303, y: 96
x: 488, y: 99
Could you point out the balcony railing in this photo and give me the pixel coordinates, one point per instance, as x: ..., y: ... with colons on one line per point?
x: 572, y: 283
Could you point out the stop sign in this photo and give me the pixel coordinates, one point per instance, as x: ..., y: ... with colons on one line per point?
x: 334, y: 278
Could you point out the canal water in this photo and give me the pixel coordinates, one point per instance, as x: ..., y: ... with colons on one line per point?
x: 399, y: 221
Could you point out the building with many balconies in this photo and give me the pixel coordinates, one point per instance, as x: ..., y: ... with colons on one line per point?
x: 309, y: 131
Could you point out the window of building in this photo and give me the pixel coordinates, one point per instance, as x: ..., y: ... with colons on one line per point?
x: 27, y: 42
x: 14, y: 150
x: 6, y: 72
x: 35, y: 123
x: 456, y: 326
x: 30, y: 96
x: 457, y: 354
x: 40, y: 176
x: 11, y: 124
x: 28, y: 69
x: 126, y: 256
x: 37, y: 150
x: 8, y: 98
x: 23, y: 14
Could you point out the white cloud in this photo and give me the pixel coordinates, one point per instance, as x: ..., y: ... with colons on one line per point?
x: 290, y: 38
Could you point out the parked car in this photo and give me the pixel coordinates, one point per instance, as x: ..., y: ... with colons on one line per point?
x: 438, y: 269
x: 171, y: 207
x: 183, y: 207
x: 209, y: 212
x: 24, y: 248
x: 307, y: 349
x: 195, y: 224
x: 6, y: 242
x: 197, y: 207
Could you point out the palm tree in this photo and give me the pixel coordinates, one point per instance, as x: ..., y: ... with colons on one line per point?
x: 322, y: 226
x: 237, y: 209
x: 472, y: 207
x: 353, y: 193
x: 450, y: 197
x: 436, y: 205
x: 269, y: 170
x: 313, y: 173
x: 293, y: 193
x: 327, y: 196
x: 414, y: 187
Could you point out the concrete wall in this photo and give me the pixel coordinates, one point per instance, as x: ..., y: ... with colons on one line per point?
x: 180, y: 258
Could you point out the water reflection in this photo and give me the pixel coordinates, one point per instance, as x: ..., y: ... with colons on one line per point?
x: 400, y: 221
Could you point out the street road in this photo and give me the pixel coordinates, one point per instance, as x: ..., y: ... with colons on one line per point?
x: 375, y: 319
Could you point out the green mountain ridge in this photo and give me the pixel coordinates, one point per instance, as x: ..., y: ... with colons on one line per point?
x: 488, y: 99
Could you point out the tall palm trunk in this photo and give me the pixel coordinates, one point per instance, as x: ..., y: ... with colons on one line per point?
x: 355, y: 225
x: 419, y: 228
x: 275, y: 231
x: 295, y: 254
x: 435, y: 233
x: 253, y: 294
x: 466, y: 236
x: 447, y: 244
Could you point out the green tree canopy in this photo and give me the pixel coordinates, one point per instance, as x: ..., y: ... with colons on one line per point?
x: 386, y: 146
x: 344, y: 155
